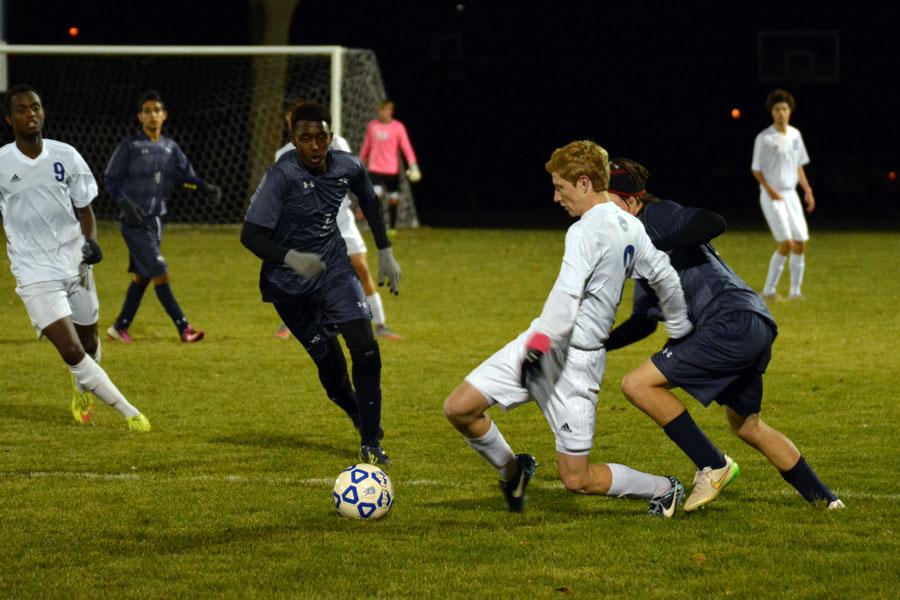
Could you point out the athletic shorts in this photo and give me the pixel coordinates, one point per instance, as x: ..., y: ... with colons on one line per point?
x: 570, y: 401
x: 50, y: 301
x: 346, y: 222
x: 314, y: 317
x: 388, y: 183
x: 785, y: 217
x: 724, y: 361
x: 144, y: 255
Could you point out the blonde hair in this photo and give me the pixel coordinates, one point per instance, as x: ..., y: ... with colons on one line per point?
x: 582, y: 157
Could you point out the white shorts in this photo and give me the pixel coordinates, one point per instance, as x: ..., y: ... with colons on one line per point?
x: 346, y: 222
x: 570, y: 404
x: 785, y: 217
x: 50, y: 301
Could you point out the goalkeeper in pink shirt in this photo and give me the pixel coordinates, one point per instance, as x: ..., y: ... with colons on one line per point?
x: 384, y: 137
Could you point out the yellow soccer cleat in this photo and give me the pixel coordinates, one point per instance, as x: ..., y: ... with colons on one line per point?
x: 82, y: 404
x: 709, y: 483
x: 138, y: 423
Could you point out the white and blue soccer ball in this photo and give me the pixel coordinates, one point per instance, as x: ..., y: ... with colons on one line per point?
x: 363, y: 491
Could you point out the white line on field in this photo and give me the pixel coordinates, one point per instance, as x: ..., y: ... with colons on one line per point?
x: 324, y: 481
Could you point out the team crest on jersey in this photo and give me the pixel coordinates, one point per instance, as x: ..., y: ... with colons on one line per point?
x: 622, y: 222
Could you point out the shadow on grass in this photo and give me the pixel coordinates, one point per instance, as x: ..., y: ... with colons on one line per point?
x: 58, y: 415
x: 260, y: 439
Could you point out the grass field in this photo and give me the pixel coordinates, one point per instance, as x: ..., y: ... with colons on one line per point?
x: 229, y: 495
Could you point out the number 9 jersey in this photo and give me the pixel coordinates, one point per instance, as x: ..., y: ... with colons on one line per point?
x: 44, y: 236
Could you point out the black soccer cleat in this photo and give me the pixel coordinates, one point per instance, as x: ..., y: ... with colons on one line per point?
x: 374, y: 455
x: 514, y: 489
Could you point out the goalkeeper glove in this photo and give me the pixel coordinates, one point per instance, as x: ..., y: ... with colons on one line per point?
x: 389, y: 270
x: 90, y: 252
x: 214, y: 191
x: 413, y: 173
x: 537, y: 345
x: 307, y: 264
x: 131, y: 213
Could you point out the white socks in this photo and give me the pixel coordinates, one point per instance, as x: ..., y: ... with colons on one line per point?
x: 776, y: 266
x: 90, y: 376
x: 629, y: 483
x: 493, y: 447
x: 377, y: 308
x: 796, y: 266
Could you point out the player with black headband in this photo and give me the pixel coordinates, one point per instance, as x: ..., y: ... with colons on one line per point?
x: 291, y: 225
x: 723, y: 360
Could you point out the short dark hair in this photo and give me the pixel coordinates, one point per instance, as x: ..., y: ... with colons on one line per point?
x: 150, y: 95
x: 22, y: 88
x: 776, y: 96
x: 310, y: 111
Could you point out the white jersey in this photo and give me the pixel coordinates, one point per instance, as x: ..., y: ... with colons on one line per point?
x: 778, y: 156
x: 603, y: 249
x: 44, y: 237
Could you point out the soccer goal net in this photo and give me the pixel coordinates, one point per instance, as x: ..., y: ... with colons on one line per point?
x: 225, y: 108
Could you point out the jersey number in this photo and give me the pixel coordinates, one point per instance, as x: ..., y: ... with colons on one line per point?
x: 60, y: 171
x: 628, y: 263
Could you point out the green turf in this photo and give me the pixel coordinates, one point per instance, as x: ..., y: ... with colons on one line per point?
x: 229, y: 495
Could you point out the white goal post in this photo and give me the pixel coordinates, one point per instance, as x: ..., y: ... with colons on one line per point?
x: 225, y: 103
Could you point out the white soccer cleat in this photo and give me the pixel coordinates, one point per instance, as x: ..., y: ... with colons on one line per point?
x: 709, y: 483
x: 836, y: 505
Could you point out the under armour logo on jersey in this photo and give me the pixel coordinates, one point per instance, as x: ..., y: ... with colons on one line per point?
x: 168, y: 150
x: 566, y: 428
x: 15, y: 178
x: 344, y: 180
x: 622, y: 222
x: 667, y: 352
x: 308, y: 184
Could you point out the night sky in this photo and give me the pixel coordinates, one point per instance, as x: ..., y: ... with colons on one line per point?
x: 489, y: 89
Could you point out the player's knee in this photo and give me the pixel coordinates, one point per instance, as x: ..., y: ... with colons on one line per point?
x: 462, y: 408
x: 140, y: 281
x: 784, y: 247
x: 747, y: 429
x: 366, y: 359
x: 630, y: 386
x: 797, y: 247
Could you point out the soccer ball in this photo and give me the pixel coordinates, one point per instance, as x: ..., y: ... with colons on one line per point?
x: 363, y: 491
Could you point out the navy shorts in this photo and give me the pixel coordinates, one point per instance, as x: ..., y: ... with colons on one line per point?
x: 722, y: 361
x: 144, y: 255
x: 313, y: 317
x: 391, y: 183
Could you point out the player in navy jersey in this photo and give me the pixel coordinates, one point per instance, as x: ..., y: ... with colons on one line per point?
x: 723, y: 360
x: 140, y: 175
x: 306, y: 274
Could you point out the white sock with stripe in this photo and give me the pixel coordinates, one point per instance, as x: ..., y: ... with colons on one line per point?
x: 90, y: 376
x: 776, y: 266
x: 796, y: 266
x: 630, y: 483
x: 493, y: 447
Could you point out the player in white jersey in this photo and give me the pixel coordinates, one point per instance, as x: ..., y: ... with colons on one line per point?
x: 560, y: 359
x: 356, y: 247
x: 46, y: 190
x: 778, y: 159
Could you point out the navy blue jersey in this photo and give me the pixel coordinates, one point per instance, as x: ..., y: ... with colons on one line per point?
x: 301, y: 209
x: 711, y: 288
x: 145, y: 172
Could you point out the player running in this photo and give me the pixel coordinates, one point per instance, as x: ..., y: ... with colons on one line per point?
x: 291, y: 225
x: 560, y: 359
x: 725, y: 358
x: 356, y: 247
x: 140, y: 176
x: 46, y: 190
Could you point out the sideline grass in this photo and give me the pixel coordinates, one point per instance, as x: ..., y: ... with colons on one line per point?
x: 229, y: 495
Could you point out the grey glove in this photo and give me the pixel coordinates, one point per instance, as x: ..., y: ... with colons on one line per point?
x: 131, y: 213
x: 215, y: 193
x: 307, y: 264
x: 389, y: 270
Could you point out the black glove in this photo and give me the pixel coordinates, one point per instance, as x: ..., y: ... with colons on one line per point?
x: 537, y: 345
x: 214, y: 191
x: 90, y: 252
x: 131, y: 213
